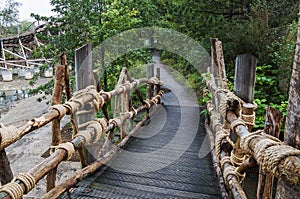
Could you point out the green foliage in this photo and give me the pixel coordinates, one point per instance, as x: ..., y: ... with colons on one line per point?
x: 267, y: 93
x: 9, y: 15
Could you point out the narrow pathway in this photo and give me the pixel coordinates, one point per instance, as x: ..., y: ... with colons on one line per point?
x: 168, y: 158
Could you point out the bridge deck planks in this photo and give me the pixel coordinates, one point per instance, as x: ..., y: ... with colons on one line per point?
x: 187, y: 177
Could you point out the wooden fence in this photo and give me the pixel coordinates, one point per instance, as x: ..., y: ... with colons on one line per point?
x: 93, y: 131
x: 236, y: 147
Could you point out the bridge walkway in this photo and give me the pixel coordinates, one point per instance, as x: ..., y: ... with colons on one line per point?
x: 169, y: 158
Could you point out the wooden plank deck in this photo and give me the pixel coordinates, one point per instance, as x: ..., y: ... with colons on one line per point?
x: 163, y: 161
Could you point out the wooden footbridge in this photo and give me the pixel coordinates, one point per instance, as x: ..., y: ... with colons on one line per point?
x: 153, y: 147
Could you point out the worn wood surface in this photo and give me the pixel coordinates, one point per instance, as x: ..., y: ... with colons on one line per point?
x: 56, y: 135
x: 272, y: 127
x: 6, y: 174
x: 244, y: 78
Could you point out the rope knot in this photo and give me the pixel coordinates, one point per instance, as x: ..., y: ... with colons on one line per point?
x: 68, y: 147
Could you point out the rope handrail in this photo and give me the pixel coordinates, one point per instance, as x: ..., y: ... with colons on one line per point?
x: 270, y: 153
x: 93, y: 133
x: 71, y: 106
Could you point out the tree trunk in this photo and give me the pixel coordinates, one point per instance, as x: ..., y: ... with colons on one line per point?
x: 292, y: 123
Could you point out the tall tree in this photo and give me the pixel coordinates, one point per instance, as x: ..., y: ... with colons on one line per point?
x: 9, y: 16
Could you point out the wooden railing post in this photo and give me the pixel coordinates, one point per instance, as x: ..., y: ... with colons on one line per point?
x: 273, y: 124
x: 56, y: 136
x: 84, y: 78
x: 244, y: 79
x: 157, y: 86
x: 150, y: 73
x: 6, y: 174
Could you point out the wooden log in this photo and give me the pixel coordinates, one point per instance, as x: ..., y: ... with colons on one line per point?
x: 56, y: 135
x: 6, y: 174
x: 244, y: 78
x: 272, y: 127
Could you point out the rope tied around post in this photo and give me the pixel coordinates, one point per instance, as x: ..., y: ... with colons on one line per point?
x: 117, y: 122
x: 9, y: 134
x: 27, y: 179
x: 98, y: 129
x: 68, y: 147
x: 271, y: 154
x: 61, y: 109
x: 13, y: 189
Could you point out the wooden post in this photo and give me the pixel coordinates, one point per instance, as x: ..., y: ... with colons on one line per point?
x: 273, y: 124
x: 84, y: 78
x: 157, y: 86
x: 6, y: 174
x: 244, y: 79
x: 218, y: 63
x: 150, y: 73
x: 214, y: 61
x: 124, y: 109
x: 56, y: 136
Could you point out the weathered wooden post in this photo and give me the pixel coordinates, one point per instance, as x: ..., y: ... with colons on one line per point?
x: 244, y: 78
x: 84, y: 78
x: 157, y: 86
x: 6, y: 174
x: 286, y: 189
x: 56, y: 135
x: 150, y: 73
x: 273, y: 124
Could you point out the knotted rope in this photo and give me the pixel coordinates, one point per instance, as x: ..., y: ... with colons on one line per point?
x: 270, y: 153
x: 9, y: 134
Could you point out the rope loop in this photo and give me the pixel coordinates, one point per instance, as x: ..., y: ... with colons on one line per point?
x: 61, y: 109
x: 13, y: 189
x: 68, y: 147
x: 27, y: 179
x: 98, y: 128
x: 116, y: 122
x: 235, y: 123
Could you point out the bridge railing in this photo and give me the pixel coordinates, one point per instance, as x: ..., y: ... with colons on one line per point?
x: 97, y: 130
x: 237, y: 148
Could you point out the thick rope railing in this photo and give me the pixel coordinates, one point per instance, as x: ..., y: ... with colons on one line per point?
x: 11, y: 134
x: 64, y: 151
x: 94, y: 131
x: 270, y: 153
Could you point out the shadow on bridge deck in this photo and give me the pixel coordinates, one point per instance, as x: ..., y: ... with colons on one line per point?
x: 172, y: 170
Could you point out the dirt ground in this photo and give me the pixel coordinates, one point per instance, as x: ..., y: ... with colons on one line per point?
x: 26, y: 153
